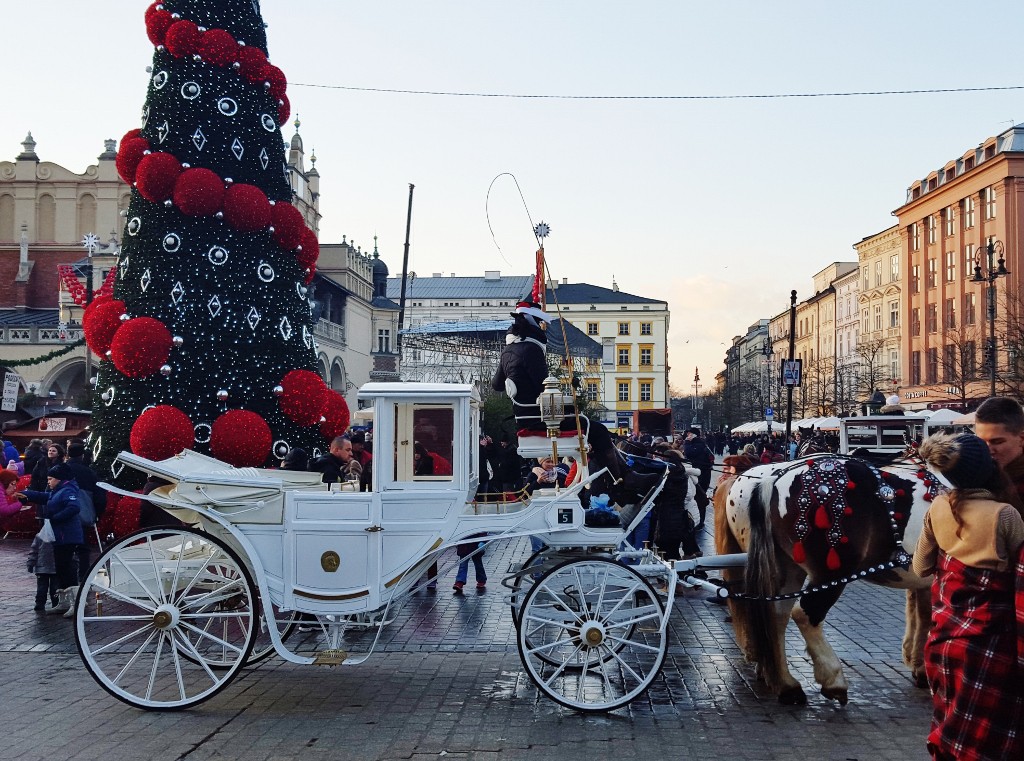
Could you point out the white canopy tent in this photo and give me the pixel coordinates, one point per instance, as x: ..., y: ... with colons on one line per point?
x: 943, y: 417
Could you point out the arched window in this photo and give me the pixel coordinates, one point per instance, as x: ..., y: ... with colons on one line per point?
x: 338, y: 380
x: 86, y: 215
x: 46, y: 219
x: 7, y: 218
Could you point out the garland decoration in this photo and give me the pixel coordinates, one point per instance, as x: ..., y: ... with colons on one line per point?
x: 45, y: 357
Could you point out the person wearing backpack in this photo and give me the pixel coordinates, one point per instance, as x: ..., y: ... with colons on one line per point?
x: 92, y: 501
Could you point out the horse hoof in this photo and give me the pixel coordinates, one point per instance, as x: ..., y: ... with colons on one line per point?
x: 839, y: 694
x: 793, y: 696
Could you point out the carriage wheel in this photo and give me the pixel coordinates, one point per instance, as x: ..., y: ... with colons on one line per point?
x: 590, y: 634
x: 523, y: 582
x: 160, y: 609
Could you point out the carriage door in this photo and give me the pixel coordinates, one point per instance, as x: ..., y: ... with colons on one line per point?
x: 419, y: 493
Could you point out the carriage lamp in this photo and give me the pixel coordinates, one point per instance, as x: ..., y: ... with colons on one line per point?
x: 552, y: 412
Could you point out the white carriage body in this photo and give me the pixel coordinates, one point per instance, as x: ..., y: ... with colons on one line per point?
x: 317, y: 549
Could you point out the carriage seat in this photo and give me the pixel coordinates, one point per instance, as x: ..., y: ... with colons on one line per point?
x: 532, y: 433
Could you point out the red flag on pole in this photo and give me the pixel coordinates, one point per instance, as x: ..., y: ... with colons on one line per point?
x: 538, y: 292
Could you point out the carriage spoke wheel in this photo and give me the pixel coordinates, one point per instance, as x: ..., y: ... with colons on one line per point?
x: 590, y: 634
x: 165, y: 619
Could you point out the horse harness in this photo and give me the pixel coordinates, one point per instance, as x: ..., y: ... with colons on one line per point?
x: 828, y: 481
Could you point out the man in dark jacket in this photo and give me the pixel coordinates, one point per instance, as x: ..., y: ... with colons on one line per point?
x: 33, y: 454
x: 339, y: 464
x: 60, y: 507
x: 999, y: 422
x: 89, y: 493
x: 696, y: 451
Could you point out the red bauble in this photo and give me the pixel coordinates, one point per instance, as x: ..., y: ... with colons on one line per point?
x: 246, y: 208
x: 182, y: 39
x: 277, y: 79
x: 199, y: 193
x: 129, y: 154
x: 288, y: 225
x: 157, y: 24
x: 241, y: 438
x: 284, y: 110
x: 126, y: 518
x: 100, y: 322
x: 161, y: 432
x: 337, y: 414
x: 156, y: 176
x: 140, y: 347
x: 309, y: 254
x: 254, y: 62
x: 218, y: 48
x: 100, y: 298
x: 304, y: 397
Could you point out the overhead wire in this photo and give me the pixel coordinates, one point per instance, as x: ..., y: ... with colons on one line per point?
x: 737, y: 96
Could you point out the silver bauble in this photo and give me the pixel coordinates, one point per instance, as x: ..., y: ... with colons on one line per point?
x: 278, y: 390
x: 178, y: 341
x: 165, y: 370
x: 222, y: 396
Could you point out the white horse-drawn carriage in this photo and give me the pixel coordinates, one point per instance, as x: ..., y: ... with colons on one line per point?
x: 169, y: 616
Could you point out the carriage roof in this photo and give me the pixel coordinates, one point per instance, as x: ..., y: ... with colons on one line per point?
x: 419, y: 390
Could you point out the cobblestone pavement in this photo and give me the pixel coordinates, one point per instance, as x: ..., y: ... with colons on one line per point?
x: 448, y: 683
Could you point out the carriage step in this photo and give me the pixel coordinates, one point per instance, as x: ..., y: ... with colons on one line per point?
x: 330, y: 657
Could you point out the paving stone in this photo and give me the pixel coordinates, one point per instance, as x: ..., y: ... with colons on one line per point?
x: 446, y: 679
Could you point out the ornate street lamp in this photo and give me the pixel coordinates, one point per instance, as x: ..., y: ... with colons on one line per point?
x: 769, y: 413
x: 990, y: 275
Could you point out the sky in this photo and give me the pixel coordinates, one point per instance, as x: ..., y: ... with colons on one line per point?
x: 718, y: 206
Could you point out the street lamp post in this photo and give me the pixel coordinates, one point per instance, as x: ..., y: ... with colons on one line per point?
x: 769, y: 414
x: 990, y: 276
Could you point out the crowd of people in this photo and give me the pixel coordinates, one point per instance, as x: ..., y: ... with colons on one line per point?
x: 62, y: 490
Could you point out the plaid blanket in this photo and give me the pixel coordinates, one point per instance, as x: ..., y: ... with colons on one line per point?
x: 971, y: 658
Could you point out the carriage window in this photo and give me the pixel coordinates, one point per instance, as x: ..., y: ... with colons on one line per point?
x: 894, y: 437
x: 424, y: 442
x: 861, y: 436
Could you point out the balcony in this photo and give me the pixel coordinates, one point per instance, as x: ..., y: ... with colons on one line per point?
x: 330, y: 331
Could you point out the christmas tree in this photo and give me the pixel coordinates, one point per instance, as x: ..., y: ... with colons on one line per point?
x: 207, y: 340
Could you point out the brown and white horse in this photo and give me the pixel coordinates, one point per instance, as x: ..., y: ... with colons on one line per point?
x: 809, y: 527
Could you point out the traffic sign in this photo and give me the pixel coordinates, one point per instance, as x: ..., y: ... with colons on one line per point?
x: 769, y: 412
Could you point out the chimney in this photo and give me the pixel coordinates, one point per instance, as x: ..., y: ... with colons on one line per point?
x: 492, y: 274
x: 565, y: 281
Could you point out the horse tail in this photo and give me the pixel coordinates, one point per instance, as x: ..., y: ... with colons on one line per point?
x: 762, y: 575
x: 726, y: 543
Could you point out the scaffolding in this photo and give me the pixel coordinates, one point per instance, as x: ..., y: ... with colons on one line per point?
x: 468, y: 352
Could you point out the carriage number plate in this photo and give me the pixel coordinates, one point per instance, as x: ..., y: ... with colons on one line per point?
x: 564, y: 515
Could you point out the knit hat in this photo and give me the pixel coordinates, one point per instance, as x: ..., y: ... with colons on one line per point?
x: 963, y: 459
x: 61, y: 472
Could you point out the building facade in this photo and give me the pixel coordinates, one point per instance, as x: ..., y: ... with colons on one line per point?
x: 880, y: 303
x: 949, y: 218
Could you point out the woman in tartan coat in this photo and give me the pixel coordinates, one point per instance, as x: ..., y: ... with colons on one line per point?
x: 972, y: 543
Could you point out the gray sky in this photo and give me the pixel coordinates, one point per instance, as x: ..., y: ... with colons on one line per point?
x: 719, y: 207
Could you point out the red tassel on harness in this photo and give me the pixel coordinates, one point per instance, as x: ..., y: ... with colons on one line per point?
x: 833, y: 560
x: 821, y: 519
x: 799, y: 556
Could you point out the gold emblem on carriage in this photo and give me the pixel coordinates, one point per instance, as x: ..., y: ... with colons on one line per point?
x: 330, y: 561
